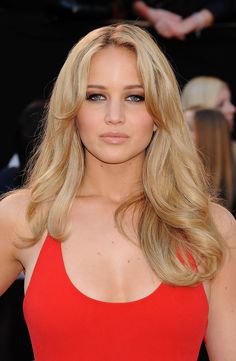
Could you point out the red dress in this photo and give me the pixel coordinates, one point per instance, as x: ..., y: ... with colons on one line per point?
x: 66, y: 325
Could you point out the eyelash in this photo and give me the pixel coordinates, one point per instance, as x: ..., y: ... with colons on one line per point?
x: 138, y: 98
x: 99, y: 97
x: 94, y: 97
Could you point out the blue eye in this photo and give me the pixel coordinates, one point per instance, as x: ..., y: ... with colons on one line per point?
x: 95, y: 97
x: 135, y: 98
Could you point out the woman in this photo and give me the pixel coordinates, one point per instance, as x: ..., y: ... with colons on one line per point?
x: 114, y: 230
x: 213, y: 93
x: 209, y: 92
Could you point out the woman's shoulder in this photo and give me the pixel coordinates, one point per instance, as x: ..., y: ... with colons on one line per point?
x: 13, y: 210
x: 225, y: 223
x: 15, y: 200
x: 222, y: 303
x: 13, y: 225
x: 226, y: 226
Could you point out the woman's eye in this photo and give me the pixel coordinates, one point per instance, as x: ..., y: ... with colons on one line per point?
x: 135, y: 98
x: 95, y: 97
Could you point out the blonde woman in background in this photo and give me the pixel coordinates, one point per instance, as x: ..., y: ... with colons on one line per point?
x: 213, y: 93
x: 125, y: 257
x: 209, y: 92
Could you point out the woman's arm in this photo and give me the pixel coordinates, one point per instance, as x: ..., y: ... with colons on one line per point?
x: 171, y: 25
x: 221, y: 331
x: 11, y: 223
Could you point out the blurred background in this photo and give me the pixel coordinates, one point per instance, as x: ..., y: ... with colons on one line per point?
x: 35, y: 38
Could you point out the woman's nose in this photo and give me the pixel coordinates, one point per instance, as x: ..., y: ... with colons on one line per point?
x: 115, y: 112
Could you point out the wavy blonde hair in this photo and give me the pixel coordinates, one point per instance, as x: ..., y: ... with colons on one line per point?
x: 202, y: 91
x: 174, y: 225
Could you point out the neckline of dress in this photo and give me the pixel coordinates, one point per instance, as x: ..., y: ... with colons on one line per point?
x: 94, y: 300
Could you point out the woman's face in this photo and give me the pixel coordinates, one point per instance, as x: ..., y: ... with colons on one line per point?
x: 113, y: 121
x: 225, y: 106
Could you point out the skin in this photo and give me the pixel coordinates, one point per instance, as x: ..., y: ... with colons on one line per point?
x: 171, y: 25
x: 99, y: 261
x: 225, y: 105
x: 189, y: 118
x: 115, y: 104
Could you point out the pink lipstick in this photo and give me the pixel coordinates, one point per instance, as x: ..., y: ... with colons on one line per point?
x: 114, y: 137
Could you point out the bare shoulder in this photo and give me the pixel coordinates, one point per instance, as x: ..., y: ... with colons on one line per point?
x: 226, y: 226
x: 224, y: 222
x: 222, y: 304
x: 13, y: 209
x: 13, y: 227
x: 18, y: 197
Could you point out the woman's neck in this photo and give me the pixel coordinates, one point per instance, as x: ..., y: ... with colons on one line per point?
x: 112, y: 181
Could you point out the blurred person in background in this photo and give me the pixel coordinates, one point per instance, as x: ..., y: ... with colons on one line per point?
x: 177, y: 19
x: 213, y: 93
x: 28, y: 130
x: 210, y: 133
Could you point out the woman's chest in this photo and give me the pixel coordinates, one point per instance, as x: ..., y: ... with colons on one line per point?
x: 105, y: 265
x: 56, y: 310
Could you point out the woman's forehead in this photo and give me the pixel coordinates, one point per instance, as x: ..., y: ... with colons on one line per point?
x: 114, y: 64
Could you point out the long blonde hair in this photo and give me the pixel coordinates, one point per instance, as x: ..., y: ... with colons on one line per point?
x: 174, y: 223
x: 215, y: 148
x: 202, y: 91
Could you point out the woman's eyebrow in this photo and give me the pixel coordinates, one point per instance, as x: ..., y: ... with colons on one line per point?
x: 134, y: 86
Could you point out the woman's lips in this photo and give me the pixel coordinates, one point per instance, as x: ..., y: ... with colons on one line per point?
x: 114, y: 138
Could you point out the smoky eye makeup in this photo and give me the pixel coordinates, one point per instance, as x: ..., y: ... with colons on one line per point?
x: 135, y: 98
x: 95, y: 97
